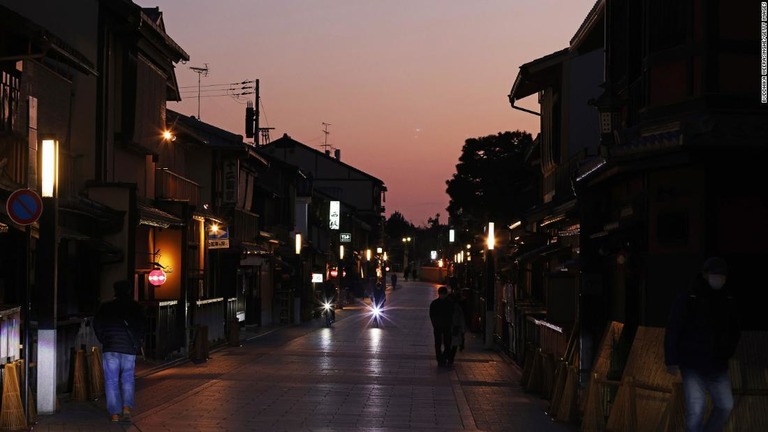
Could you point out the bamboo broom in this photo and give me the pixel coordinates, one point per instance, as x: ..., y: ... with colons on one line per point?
x: 12, y: 416
x: 79, y: 380
x: 95, y: 373
x: 31, y: 406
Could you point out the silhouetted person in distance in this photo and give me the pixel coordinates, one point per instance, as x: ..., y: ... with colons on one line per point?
x: 120, y: 325
x: 458, y: 327
x: 453, y: 282
x: 393, y: 280
x: 379, y: 294
x: 701, y: 336
x: 441, y: 315
x: 406, y: 272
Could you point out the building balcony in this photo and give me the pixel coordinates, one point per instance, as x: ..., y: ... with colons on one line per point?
x: 171, y: 186
x: 246, y: 226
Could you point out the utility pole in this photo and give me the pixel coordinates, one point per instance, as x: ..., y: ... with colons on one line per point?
x: 252, y: 129
x: 256, y: 107
x: 200, y: 72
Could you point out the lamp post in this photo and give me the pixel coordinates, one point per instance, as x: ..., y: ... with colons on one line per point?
x: 489, y: 288
x: 440, y: 271
x: 406, y: 241
x: 298, y: 244
x: 45, y: 284
x: 451, y: 270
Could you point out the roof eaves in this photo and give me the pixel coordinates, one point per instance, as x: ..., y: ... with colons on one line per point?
x: 286, y: 137
x: 181, y: 55
x: 49, y: 44
x: 586, y: 27
x: 529, y: 78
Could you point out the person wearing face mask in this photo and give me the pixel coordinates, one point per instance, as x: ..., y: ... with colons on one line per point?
x: 701, y: 336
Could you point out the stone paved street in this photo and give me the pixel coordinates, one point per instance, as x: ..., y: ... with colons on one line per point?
x: 350, y: 377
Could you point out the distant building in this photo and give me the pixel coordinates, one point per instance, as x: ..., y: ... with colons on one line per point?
x: 362, y: 195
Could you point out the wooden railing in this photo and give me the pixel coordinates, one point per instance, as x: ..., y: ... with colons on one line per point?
x: 163, y: 335
x: 246, y: 226
x: 210, y: 313
x: 169, y: 185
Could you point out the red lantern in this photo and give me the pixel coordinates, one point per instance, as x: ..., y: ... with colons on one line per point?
x: 334, y: 272
x: 156, y: 277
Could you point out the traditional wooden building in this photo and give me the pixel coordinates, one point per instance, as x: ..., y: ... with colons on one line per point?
x: 540, y: 297
x: 360, y: 196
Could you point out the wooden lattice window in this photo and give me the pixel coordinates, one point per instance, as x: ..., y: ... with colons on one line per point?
x: 9, y: 99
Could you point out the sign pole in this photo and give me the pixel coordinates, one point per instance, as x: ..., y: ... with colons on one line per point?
x: 26, y: 321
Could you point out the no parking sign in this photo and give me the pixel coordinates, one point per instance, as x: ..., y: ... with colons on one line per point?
x: 24, y: 206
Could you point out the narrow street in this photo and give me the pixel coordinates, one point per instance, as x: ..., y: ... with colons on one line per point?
x: 350, y: 377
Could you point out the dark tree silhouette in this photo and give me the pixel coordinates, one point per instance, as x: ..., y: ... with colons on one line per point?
x: 397, y: 227
x: 493, y: 181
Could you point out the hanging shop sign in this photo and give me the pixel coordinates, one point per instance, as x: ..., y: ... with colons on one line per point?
x: 335, y: 215
x: 219, y: 239
x: 156, y: 277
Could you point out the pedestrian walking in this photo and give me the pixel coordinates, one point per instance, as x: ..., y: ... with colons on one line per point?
x: 458, y: 328
x: 701, y: 335
x: 441, y: 315
x: 393, y: 279
x: 379, y: 295
x: 120, y: 325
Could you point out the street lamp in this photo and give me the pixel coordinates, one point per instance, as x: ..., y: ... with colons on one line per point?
x: 489, y: 289
x: 451, y: 240
x: 50, y: 168
x: 300, y: 275
x: 46, y: 284
x: 406, y: 244
x: 491, y: 239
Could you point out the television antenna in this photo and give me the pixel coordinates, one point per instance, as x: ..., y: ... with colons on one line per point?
x: 325, y: 145
x: 200, y: 71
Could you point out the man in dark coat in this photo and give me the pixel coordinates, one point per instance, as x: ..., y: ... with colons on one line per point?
x: 441, y: 315
x: 379, y: 295
x: 701, y: 335
x: 120, y: 325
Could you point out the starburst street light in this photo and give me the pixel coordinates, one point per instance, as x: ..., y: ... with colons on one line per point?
x: 169, y: 136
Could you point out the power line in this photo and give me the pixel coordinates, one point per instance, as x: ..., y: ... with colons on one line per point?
x: 222, y: 90
x: 222, y: 95
x: 221, y: 84
x: 214, y: 90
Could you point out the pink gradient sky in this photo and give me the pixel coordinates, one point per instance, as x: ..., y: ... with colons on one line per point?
x: 402, y: 82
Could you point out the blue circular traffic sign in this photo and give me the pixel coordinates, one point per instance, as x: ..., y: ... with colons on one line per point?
x: 24, y: 206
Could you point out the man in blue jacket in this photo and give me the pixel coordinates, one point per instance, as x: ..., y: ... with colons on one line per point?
x: 701, y: 336
x: 120, y: 325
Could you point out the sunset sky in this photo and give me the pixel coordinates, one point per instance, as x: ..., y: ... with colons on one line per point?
x: 402, y: 83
